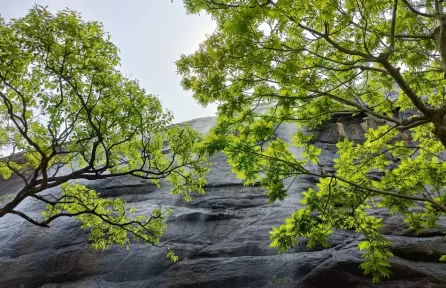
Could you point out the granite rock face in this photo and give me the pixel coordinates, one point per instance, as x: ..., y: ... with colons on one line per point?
x: 221, y: 238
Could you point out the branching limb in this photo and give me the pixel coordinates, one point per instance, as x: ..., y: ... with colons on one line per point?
x: 413, y: 10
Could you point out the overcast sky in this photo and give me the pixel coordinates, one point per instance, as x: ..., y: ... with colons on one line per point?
x: 151, y: 34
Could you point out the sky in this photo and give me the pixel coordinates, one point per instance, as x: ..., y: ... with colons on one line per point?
x: 151, y: 36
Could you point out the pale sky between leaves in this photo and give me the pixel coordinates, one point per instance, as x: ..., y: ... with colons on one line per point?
x: 151, y: 36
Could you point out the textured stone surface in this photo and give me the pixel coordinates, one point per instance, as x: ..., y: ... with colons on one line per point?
x: 221, y: 238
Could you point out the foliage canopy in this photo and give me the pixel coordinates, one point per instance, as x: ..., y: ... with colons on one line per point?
x: 313, y: 59
x: 68, y: 113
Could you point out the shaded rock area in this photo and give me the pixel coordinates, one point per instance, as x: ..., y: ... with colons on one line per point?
x: 221, y: 238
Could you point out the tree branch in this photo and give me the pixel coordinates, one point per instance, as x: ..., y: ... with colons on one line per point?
x: 392, y: 28
x: 396, y: 75
x: 413, y: 10
x: 437, y: 205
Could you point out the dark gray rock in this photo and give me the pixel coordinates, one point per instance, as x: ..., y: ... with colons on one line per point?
x: 221, y: 238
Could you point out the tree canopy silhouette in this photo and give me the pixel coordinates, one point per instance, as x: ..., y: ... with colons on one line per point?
x: 68, y: 113
x: 313, y: 59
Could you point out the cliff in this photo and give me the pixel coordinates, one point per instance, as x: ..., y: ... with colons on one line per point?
x: 221, y: 238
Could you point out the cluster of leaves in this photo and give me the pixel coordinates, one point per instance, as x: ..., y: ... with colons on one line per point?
x: 308, y: 61
x: 109, y: 220
x: 67, y: 113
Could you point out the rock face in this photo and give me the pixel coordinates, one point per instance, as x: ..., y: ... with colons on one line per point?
x: 221, y: 238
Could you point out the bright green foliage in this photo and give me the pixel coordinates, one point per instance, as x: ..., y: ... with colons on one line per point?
x: 67, y: 112
x: 108, y: 219
x: 309, y: 60
x: 171, y: 255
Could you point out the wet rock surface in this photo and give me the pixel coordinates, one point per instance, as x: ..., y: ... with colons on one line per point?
x: 221, y: 238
